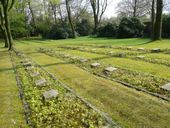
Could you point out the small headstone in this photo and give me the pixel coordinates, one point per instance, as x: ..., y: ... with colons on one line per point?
x: 41, y: 82
x: 129, y: 48
x: 140, y: 57
x: 66, y: 56
x: 110, y: 69
x: 156, y: 50
x: 166, y: 87
x: 141, y: 49
x: 50, y: 94
x: 27, y: 64
x: 74, y: 58
x: 94, y: 65
x: 30, y: 67
x: 34, y: 74
x: 83, y: 60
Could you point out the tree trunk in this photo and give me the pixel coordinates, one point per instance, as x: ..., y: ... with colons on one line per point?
x: 70, y: 19
x: 4, y: 32
x: 135, y: 9
x: 153, y: 19
x: 158, y: 22
x: 7, y: 25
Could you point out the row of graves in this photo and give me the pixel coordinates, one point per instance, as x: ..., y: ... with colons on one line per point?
x: 140, y: 54
x: 151, y: 84
x: 52, y: 103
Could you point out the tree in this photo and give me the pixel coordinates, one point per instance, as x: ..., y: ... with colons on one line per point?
x: 6, y: 6
x: 134, y: 8
x: 70, y: 18
x: 158, y: 22
x: 99, y: 8
x: 153, y: 18
x: 3, y: 28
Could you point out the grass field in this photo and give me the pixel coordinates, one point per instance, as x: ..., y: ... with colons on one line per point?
x: 126, y: 106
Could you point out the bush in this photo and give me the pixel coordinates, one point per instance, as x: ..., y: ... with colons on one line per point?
x: 130, y: 27
x: 57, y: 33
x: 166, y: 26
x: 84, y: 28
x: 18, y: 27
x: 109, y: 30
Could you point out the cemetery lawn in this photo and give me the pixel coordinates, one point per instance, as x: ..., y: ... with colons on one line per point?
x: 11, y: 109
x: 126, y: 106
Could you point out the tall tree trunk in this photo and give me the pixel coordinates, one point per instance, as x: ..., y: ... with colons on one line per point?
x: 153, y: 19
x: 70, y: 19
x: 5, y: 36
x: 7, y: 25
x: 135, y: 9
x: 2, y: 27
x: 158, y: 22
x: 32, y: 13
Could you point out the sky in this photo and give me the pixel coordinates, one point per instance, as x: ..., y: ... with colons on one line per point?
x: 111, y: 9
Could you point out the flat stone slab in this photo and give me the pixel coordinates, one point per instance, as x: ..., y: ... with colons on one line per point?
x: 74, y: 58
x: 141, y: 49
x: 30, y: 68
x: 94, y: 65
x: 140, y: 57
x: 27, y: 64
x: 34, y: 74
x: 166, y: 87
x: 110, y: 69
x: 129, y: 48
x: 83, y: 60
x: 50, y: 94
x: 155, y: 50
x: 41, y: 83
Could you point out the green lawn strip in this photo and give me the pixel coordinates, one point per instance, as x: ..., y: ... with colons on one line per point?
x: 113, y: 98
x: 11, y: 110
x: 145, y: 67
x: 80, y: 53
x: 64, y: 111
x: 136, y: 79
x: 158, y: 58
x: 106, y: 51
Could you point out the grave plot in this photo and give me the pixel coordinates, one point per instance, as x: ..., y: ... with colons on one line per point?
x: 135, y: 78
x: 52, y: 104
x: 105, y: 51
x: 159, y: 58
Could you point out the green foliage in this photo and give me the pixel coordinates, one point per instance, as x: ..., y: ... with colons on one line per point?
x: 84, y: 28
x: 109, y: 30
x: 166, y: 26
x: 130, y: 27
x: 19, y: 28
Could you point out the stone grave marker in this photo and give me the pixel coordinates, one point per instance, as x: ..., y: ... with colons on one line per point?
x: 83, y: 60
x: 40, y: 83
x: 27, y: 64
x: 129, y: 48
x: 156, y: 50
x: 166, y: 87
x: 110, y: 69
x: 34, y: 74
x: 50, y: 94
x: 140, y: 57
x: 30, y: 68
x: 141, y: 49
x: 94, y: 65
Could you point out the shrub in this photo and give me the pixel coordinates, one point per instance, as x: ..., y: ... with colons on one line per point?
x: 130, y: 27
x: 84, y: 28
x: 109, y: 30
x: 166, y: 26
